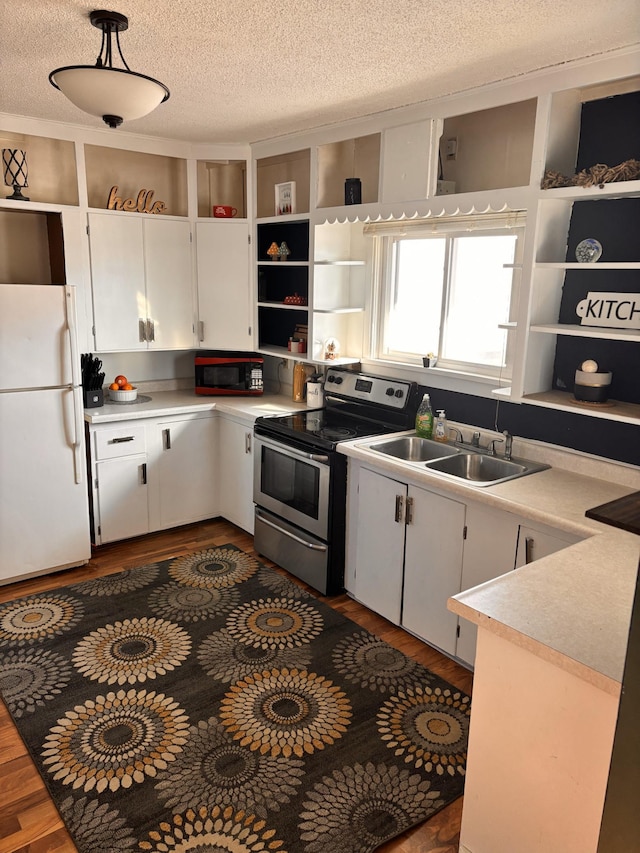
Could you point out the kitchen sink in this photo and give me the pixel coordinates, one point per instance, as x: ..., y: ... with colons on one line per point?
x: 484, y: 470
x: 413, y: 448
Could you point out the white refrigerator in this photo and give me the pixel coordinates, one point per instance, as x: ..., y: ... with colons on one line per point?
x: 44, y: 512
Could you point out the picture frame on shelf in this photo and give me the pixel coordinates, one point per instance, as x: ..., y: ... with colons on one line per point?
x: 285, y: 198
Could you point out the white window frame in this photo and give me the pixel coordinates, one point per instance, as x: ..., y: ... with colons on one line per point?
x: 385, y: 237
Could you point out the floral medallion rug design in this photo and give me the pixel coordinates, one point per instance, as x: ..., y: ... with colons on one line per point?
x: 207, y: 703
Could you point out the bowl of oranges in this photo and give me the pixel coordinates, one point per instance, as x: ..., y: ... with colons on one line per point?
x: 122, y: 391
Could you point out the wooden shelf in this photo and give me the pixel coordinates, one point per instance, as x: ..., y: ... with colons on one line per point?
x: 619, y: 188
x: 605, y: 333
x: 565, y: 401
x: 339, y: 263
x: 338, y: 310
x: 282, y: 352
x: 282, y: 307
x: 283, y: 264
x: 605, y: 265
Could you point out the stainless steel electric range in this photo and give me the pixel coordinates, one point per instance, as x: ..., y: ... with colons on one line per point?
x: 300, y: 479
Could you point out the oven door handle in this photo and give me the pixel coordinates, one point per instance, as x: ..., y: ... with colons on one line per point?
x: 293, y: 451
x: 311, y: 545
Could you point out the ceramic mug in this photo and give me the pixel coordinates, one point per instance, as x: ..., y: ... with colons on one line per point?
x: 224, y: 210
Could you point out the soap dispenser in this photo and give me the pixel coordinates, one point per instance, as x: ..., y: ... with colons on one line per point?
x: 440, y: 427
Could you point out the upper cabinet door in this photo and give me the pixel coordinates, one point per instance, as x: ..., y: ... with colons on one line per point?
x: 118, y: 281
x: 224, y: 304
x: 167, y: 260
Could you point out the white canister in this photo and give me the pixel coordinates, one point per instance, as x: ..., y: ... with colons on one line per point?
x: 315, y: 395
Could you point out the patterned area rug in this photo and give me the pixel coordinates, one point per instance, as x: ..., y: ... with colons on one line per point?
x: 208, y: 704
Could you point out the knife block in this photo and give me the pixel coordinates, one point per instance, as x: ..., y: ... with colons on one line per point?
x: 93, y: 399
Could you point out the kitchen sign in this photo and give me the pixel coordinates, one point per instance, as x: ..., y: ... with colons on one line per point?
x: 616, y: 310
x: 142, y: 204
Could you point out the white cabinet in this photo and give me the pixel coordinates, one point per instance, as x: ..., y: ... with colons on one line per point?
x: 379, y: 531
x: 489, y: 551
x: 119, y: 481
x: 408, y: 556
x: 152, y: 474
x: 224, y: 298
x: 432, y: 566
x: 141, y: 275
x: 534, y: 543
x: 235, y: 472
x: 182, y: 471
x: 123, y: 498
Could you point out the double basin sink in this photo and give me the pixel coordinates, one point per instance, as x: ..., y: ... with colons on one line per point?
x: 474, y: 466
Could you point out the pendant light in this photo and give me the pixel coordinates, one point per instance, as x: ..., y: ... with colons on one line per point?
x: 113, y: 94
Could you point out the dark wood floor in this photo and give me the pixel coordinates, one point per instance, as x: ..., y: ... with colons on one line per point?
x: 29, y: 822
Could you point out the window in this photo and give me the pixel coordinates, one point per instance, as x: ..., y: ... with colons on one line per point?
x: 447, y: 289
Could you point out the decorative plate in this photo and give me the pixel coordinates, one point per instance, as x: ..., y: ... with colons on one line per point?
x: 588, y: 251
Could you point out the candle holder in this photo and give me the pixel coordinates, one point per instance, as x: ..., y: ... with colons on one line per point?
x: 14, y: 162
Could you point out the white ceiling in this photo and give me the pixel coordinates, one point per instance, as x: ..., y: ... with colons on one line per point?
x: 247, y: 70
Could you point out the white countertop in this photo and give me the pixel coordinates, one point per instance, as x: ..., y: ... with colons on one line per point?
x: 185, y: 402
x: 573, y: 607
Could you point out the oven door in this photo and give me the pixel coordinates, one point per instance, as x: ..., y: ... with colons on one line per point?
x: 293, y: 484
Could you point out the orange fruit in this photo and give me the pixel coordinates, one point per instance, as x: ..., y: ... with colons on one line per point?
x: 121, y: 380
x: 114, y: 386
x: 127, y: 387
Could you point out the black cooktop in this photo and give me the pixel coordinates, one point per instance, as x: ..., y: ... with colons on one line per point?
x: 322, y: 428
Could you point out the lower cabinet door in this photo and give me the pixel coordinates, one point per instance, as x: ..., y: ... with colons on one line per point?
x: 183, y: 476
x: 122, y: 494
x: 432, y: 567
x: 235, y: 473
x: 380, y: 544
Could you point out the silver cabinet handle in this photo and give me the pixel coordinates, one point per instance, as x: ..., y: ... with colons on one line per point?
x: 142, y: 330
x: 528, y: 549
x: 201, y: 330
x: 121, y: 439
x: 167, y: 438
x: 151, y: 331
x: 409, y: 511
x: 247, y: 442
x: 143, y: 474
x: 399, y: 508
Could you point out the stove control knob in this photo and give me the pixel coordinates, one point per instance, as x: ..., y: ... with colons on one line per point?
x: 338, y: 380
x: 399, y: 393
x: 389, y: 392
x: 331, y: 378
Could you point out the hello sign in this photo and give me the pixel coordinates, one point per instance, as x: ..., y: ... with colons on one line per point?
x: 616, y: 310
x: 142, y: 204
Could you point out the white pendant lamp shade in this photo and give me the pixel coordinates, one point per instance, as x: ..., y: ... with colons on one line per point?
x: 109, y: 91
x: 113, y: 94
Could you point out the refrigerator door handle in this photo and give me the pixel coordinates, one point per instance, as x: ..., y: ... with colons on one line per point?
x: 78, y: 409
x: 72, y: 328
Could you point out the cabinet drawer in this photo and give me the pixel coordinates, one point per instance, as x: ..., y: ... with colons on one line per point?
x: 120, y: 441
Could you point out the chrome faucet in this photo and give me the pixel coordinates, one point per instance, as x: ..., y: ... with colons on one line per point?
x: 475, y: 439
x: 508, y: 439
x: 491, y: 447
x: 458, y: 439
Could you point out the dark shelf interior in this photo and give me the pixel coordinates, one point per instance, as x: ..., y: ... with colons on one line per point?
x: 277, y: 282
x: 277, y: 326
x: 294, y: 234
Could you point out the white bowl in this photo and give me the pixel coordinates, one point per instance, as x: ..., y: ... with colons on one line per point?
x: 123, y: 396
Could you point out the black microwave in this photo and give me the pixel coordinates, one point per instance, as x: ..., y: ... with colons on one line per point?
x: 229, y: 373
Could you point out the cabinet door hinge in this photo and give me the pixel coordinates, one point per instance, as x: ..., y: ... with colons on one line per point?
x: 249, y: 239
x: 249, y: 331
x: 458, y: 630
x: 87, y: 230
x: 464, y: 532
x: 190, y: 236
x: 93, y: 331
x: 99, y: 531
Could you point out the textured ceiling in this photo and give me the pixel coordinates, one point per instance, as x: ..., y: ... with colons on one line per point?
x: 247, y: 70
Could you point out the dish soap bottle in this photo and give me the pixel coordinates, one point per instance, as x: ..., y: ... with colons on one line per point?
x: 424, y: 418
x: 440, y: 427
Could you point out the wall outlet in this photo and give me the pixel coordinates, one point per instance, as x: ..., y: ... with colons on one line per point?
x: 445, y: 187
x: 451, y: 148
